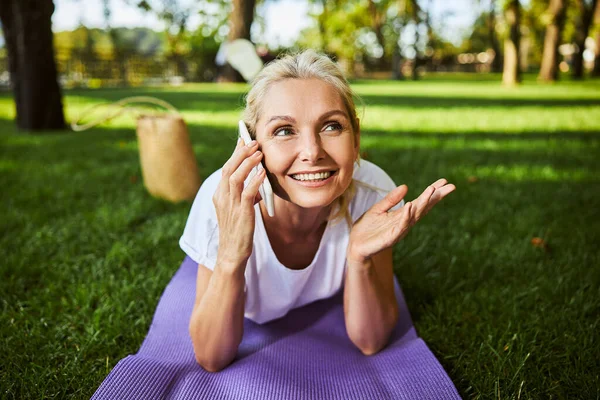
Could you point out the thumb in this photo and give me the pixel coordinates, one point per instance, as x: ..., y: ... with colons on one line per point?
x: 391, y: 199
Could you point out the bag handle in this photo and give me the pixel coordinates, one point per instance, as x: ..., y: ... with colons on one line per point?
x: 120, y: 106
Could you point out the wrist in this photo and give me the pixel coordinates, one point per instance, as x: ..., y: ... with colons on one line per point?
x: 354, y: 255
x: 231, y: 265
x: 357, y: 261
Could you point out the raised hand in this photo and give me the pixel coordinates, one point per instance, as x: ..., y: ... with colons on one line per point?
x: 234, y: 205
x: 380, y: 228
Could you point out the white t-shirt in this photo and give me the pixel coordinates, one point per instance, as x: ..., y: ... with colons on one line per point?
x: 271, y: 288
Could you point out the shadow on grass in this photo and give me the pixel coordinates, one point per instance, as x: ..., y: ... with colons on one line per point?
x: 100, y: 147
x: 210, y: 100
x: 204, y: 100
x: 399, y: 134
x: 468, y: 270
x: 432, y: 102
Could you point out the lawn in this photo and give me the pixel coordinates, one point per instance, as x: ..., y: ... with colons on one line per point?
x: 86, y: 252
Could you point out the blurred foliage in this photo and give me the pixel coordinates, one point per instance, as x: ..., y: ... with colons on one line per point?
x: 366, y: 36
x: 95, y: 54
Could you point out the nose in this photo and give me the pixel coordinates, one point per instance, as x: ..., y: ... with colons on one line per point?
x: 311, y: 147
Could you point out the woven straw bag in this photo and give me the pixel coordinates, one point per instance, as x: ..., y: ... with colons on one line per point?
x: 167, y: 160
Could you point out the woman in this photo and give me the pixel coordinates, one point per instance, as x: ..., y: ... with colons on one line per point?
x: 335, y: 220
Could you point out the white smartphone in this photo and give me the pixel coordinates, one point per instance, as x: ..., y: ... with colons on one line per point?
x: 265, y: 189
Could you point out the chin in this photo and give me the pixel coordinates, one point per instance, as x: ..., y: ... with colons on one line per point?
x: 313, y: 203
x: 309, y: 200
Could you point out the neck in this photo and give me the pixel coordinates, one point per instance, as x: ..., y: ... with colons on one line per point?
x: 292, y: 222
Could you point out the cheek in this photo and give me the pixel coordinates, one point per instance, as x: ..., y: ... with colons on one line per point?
x: 342, y: 153
x: 274, y: 161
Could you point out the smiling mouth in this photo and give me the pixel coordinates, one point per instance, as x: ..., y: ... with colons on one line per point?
x: 318, y: 177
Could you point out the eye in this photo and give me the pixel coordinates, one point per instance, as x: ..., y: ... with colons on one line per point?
x: 333, y: 126
x: 283, y: 131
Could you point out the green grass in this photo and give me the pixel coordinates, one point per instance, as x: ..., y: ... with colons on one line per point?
x: 86, y: 252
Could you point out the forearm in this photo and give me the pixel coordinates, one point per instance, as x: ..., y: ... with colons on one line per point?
x: 370, y: 314
x: 217, y: 323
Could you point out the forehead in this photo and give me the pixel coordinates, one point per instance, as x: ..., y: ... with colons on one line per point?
x: 300, y: 96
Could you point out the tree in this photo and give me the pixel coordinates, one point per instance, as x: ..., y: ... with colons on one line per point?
x: 511, y: 74
x: 119, y: 51
x: 415, y: 13
x: 176, y: 16
x: 322, y: 20
x: 596, y: 70
x: 377, y: 14
x: 493, y: 38
x: 583, y: 29
x: 535, y: 29
x: 27, y: 28
x: 368, y: 32
x: 556, y: 21
x: 240, y: 22
x: 340, y: 31
x: 408, y: 12
x: 483, y: 37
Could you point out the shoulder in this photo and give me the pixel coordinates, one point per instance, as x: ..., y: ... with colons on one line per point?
x: 372, y: 185
x: 200, y: 235
x: 209, y: 186
x: 370, y: 176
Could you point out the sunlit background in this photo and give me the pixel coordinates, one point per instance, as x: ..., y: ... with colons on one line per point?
x: 502, y: 98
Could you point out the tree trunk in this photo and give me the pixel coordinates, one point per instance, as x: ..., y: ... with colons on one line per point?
x: 120, y: 56
x: 396, y: 64
x: 417, y: 20
x: 322, y: 20
x: 417, y: 61
x: 497, y: 61
x: 550, y: 59
x: 583, y: 29
x: 512, y: 71
x: 596, y: 70
x: 377, y: 22
x: 27, y: 28
x: 240, y: 22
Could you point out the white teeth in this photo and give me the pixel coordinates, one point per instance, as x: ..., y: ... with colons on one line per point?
x: 312, y: 177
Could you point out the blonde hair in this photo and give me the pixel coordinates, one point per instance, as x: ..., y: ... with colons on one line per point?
x: 307, y: 64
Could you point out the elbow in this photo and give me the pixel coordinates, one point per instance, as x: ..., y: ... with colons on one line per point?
x: 210, y: 365
x: 370, y: 349
x: 368, y: 346
x: 208, y: 360
x: 369, y: 342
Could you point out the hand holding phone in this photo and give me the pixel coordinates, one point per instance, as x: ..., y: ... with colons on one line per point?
x: 266, y: 191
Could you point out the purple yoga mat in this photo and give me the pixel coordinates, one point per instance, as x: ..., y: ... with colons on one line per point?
x: 304, y: 355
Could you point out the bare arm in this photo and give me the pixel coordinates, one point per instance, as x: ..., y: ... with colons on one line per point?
x: 217, y: 321
x: 370, y: 306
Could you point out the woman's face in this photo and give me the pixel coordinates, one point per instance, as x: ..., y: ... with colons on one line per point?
x: 307, y: 140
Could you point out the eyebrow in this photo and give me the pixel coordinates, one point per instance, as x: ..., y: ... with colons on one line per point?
x: 292, y: 120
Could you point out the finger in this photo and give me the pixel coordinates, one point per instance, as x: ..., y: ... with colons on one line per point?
x: 439, y: 183
x: 236, y: 180
x: 422, y: 202
x: 250, y: 192
x: 438, y: 196
x: 390, y: 200
x: 403, y: 225
x: 413, y: 214
x: 441, y: 193
x: 238, y: 144
x: 240, y: 153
